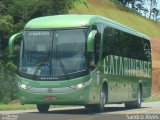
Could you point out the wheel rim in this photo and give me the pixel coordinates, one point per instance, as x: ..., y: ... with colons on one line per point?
x: 139, y: 97
x: 103, y: 98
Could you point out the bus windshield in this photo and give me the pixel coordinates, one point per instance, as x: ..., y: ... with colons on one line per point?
x: 53, y: 53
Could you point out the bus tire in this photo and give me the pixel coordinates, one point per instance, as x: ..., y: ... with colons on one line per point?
x: 43, y: 107
x: 100, y: 107
x: 137, y: 103
x: 90, y: 107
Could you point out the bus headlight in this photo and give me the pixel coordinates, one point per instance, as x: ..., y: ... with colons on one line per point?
x: 81, y: 85
x: 23, y: 86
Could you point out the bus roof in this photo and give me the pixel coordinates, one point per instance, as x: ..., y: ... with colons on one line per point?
x: 61, y: 21
x: 74, y: 20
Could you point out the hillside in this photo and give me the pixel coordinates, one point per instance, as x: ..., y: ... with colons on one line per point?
x: 120, y: 14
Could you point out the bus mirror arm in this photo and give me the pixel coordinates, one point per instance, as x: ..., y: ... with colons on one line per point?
x: 90, y: 41
x: 12, y: 39
x: 92, y: 63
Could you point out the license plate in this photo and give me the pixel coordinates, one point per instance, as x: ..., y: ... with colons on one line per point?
x: 50, y: 98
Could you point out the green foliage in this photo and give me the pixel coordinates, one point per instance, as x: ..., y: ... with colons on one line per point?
x: 23, y: 10
x: 152, y: 99
x: 8, y: 86
x: 16, y: 106
x: 6, y: 27
x: 122, y: 6
x: 60, y: 6
x: 6, y: 24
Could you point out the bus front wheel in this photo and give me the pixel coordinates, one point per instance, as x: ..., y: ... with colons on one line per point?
x: 43, y: 107
x: 100, y: 107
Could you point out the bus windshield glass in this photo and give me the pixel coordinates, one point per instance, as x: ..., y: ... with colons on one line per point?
x: 53, y: 53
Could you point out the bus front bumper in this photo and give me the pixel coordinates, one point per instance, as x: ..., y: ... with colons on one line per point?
x: 72, y: 97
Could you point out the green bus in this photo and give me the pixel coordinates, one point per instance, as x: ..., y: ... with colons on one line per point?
x: 84, y: 60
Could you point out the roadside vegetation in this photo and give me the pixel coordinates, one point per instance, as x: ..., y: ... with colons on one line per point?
x: 152, y: 99
x: 8, y: 84
x: 16, y: 107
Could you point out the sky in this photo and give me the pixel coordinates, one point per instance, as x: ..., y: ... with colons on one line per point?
x: 147, y: 6
x: 158, y: 4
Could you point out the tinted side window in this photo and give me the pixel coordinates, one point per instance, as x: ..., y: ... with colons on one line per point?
x: 123, y: 44
x: 132, y: 46
x: 137, y: 47
x: 146, y: 50
x: 112, y: 42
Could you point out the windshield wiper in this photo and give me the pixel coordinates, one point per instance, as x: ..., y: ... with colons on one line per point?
x: 44, y: 62
x: 60, y: 61
x: 62, y: 66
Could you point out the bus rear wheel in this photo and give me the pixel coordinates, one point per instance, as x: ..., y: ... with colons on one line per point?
x: 137, y: 103
x: 43, y: 107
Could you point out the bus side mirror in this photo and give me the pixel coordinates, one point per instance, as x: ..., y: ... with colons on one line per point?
x: 90, y: 41
x: 12, y: 39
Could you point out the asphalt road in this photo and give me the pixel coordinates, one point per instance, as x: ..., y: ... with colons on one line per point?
x: 149, y: 111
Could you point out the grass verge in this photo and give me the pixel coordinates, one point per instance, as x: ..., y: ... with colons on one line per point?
x: 152, y: 99
x: 16, y: 107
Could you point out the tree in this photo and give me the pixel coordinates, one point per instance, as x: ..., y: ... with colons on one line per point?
x: 155, y: 12
x: 145, y: 10
x: 6, y: 27
x: 60, y: 6
x: 2, y: 7
x: 29, y: 9
x: 139, y: 6
x: 153, y: 3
